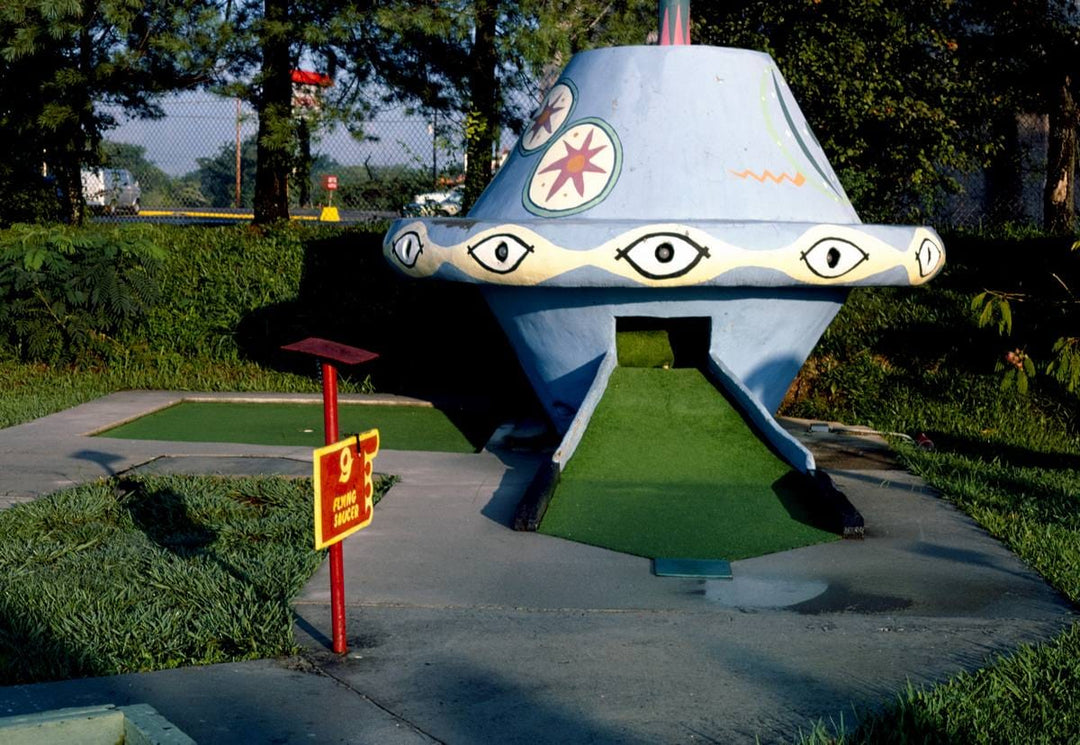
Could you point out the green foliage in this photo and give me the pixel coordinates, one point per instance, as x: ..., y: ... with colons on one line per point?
x: 63, y: 65
x: 24, y: 195
x: 1029, y: 697
x: 1065, y: 367
x: 1046, y: 314
x: 213, y: 278
x: 915, y: 360
x: 185, y: 191
x: 158, y: 188
x: 262, y: 41
x: 884, y: 86
x: 425, y: 47
x: 213, y: 183
x: 993, y: 307
x: 1018, y: 369
x: 229, y: 297
x: 66, y: 293
x: 432, y: 55
x: 385, y: 188
x: 133, y: 158
x: 216, y: 175
x: 155, y: 572
x: 889, y: 351
x: 1037, y: 41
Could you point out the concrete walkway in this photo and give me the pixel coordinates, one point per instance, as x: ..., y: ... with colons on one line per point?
x: 463, y: 631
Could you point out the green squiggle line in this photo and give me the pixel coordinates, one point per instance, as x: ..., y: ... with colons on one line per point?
x: 831, y: 192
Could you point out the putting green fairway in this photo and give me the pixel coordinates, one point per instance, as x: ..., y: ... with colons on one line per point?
x: 400, y: 427
x: 669, y: 468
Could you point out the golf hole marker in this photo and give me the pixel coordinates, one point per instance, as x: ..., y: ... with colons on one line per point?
x: 367, y: 446
x: 343, y: 488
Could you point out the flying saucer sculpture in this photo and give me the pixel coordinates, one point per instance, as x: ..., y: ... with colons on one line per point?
x: 666, y: 182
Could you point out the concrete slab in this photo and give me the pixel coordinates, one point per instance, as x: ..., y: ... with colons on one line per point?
x: 477, y: 634
x: 225, y: 465
x: 838, y: 446
x: 58, y: 451
x: 267, y: 701
x: 462, y: 630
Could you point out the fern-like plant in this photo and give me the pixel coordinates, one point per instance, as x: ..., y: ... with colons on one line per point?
x: 69, y: 293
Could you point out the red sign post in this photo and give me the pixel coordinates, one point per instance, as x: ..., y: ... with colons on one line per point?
x: 359, y: 467
x: 329, y: 212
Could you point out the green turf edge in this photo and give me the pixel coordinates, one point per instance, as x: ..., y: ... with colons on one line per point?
x: 644, y: 348
x: 300, y: 424
x: 669, y: 468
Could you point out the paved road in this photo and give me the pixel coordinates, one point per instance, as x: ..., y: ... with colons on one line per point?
x: 229, y: 216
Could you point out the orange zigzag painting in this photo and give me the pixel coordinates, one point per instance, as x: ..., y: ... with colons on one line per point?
x: 798, y: 179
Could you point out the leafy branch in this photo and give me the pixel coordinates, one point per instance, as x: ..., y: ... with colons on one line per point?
x: 994, y: 308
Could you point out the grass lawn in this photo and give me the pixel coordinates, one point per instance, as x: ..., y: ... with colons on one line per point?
x: 400, y: 427
x: 915, y: 361
x: 669, y: 468
x: 153, y: 572
x: 29, y: 391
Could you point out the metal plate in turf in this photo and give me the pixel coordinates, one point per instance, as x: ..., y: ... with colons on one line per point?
x: 697, y: 568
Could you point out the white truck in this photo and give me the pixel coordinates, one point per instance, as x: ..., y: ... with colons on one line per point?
x: 111, y: 191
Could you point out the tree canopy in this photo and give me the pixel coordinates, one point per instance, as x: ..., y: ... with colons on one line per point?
x: 64, y: 62
x: 883, y: 86
x: 904, y: 97
x: 481, y: 58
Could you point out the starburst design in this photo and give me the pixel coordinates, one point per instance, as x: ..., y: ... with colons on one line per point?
x: 543, y: 119
x: 574, y: 165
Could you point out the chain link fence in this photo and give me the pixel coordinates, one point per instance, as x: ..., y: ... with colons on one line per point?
x: 1012, y: 190
x: 201, y: 156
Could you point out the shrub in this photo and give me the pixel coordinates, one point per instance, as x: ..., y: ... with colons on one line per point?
x: 1036, y: 286
x: 66, y: 293
x: 228, y: 295
x: 213, y: 278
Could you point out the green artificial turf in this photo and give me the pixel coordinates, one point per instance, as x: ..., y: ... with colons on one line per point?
x: 644, y: 348
x: 668, y: 468
x: 400, y: 427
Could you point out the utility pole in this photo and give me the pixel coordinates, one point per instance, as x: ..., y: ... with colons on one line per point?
x: 238, y: 153
x: 434, y: 150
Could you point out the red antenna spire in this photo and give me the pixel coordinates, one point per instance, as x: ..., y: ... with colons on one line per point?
x: 674, y: 22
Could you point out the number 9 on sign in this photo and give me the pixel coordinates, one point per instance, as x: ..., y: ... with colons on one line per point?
x: 345, y: 461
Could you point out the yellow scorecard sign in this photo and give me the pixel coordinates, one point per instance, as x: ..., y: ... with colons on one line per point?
x: 343, y: 487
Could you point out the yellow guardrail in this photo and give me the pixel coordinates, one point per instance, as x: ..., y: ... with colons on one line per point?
x: 199, y: 214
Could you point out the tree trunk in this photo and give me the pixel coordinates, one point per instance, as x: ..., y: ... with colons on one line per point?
x: 275, y: 139
x: 1059, y: 195
x: 79, y: 146
x: 303, y: 165
x: 69, y: 180
x: 480, y: 125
